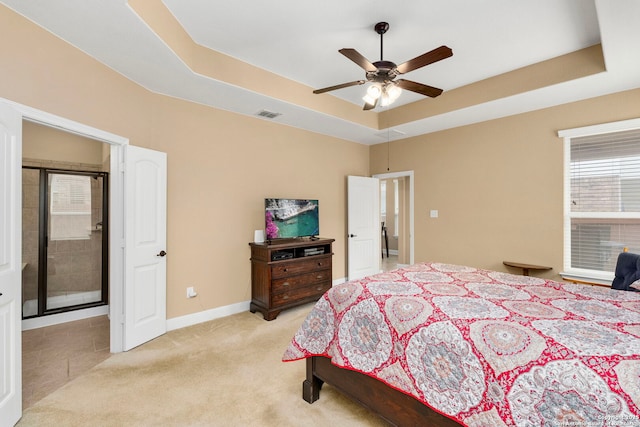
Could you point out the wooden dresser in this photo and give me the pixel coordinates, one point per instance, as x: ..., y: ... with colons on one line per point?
x: 287, y: 273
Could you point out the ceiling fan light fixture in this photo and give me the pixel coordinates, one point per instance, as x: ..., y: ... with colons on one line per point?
x: 381, y: 74
x: 385, y: 99
x: 394, y: 91
x: 373, y: 93
x: 390, y: 92
x: 368, y: 99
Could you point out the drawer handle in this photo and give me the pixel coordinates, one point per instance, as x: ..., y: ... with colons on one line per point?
x: 284, y: 269
x: 319, y: 276
x: 319, y: 264
x: 285, y: 284
x: 285, y: 296
x: 319, y: 288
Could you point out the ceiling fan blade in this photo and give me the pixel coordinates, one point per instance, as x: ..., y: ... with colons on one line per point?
x: 368, y: 106
x: 356, y: 57
x: 340, y: 86
x: 419, y: 88
x: 435, y: 55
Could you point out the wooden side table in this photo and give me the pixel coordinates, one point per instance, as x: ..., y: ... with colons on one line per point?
x: 526, y: 267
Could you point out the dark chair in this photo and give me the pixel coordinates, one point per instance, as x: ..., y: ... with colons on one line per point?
x: 627, y: 271
x: 386, y: 239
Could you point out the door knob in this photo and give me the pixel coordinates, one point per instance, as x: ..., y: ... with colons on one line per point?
x: 161, y: 254
x: 353, y: 235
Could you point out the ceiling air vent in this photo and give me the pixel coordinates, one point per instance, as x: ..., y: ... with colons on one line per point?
x: 267, y: 114
x: 390, y: 134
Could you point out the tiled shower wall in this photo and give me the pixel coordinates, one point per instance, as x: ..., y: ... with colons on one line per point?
x: 73, y: 265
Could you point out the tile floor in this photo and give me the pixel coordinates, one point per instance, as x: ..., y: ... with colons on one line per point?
x: 389, y: 263
x: 54, y: 355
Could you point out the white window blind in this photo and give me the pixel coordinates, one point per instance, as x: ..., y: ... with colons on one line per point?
x: 70, y: 207
x: 603, y: 212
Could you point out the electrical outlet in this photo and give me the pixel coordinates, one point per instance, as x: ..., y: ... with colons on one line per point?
x: 191, y: 292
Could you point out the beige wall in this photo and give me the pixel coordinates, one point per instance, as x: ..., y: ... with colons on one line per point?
x: 498, y: 185
x: 46, y: 143
x: 210, y: 222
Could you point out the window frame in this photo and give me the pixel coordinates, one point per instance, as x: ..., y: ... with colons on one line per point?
x: 396, y: 208
x: 567, y: 135
x: 60, y: 210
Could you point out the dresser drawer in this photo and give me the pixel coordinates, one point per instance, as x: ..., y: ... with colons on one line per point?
x: 282, y: 277
x: 301, y: 280
x: 287, y: 269
x: 290, y: 296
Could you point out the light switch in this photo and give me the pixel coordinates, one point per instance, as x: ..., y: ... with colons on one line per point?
x: 433, y: 213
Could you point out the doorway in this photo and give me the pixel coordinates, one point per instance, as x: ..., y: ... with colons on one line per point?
x: 65, y: 247
x: 13, y: 117
x: 396, y: 213
x: 64, y: 252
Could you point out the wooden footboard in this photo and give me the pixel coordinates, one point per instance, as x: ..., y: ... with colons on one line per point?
x: 394, y: 406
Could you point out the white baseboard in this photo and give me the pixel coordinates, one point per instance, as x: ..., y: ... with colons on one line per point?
x: 205, y: 316
x: 215, y: 313
x: 172, y: 324
x: 69, y: 316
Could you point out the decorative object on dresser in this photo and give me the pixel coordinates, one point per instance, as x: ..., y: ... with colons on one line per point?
x: 289, y: 272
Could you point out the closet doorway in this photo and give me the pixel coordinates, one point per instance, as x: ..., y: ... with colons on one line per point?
x: 67, y: 256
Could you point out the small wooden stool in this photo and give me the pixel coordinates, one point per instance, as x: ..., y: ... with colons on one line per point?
x: 526, y: 267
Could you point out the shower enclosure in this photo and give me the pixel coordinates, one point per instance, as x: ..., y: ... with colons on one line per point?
x: 65, y: 245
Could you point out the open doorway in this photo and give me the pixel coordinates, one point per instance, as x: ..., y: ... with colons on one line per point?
x: 64, y: 222
x: 65, y: 180
x: 12, y: 117
x: 396, y: 223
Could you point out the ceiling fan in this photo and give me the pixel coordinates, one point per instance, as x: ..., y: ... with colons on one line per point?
x: 382, y: 74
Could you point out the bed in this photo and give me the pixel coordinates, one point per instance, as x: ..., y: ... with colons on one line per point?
x: 445, y: 345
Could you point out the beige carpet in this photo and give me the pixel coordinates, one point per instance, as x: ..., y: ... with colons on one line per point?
x: 227, y: 372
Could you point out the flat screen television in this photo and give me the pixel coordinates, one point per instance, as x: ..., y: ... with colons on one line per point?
x: 291, y: 218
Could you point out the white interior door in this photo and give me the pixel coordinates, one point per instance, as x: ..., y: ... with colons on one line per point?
x: 363, y: 226
x: 10, y: 266
x: 145, y: 189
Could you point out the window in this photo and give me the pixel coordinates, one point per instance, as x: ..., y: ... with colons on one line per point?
x: 383, y: 200
x: 396, y: 208
x: 69, y: 207
x: 602, y: 197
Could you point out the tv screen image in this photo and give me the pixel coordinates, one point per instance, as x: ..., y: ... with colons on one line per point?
x: 291, y: 218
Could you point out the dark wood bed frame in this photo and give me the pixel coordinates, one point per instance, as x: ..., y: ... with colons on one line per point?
x: 396, y: 407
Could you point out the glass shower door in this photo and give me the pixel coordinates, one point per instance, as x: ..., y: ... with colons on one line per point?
x: 74, y: 246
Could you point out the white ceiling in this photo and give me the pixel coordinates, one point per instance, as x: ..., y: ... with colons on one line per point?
x: 300, y: 41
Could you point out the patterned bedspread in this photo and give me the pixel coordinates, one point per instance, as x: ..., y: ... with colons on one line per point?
x: 486, y: 348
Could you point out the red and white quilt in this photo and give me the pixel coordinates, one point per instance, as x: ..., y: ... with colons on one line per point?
x: 486, y: 348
